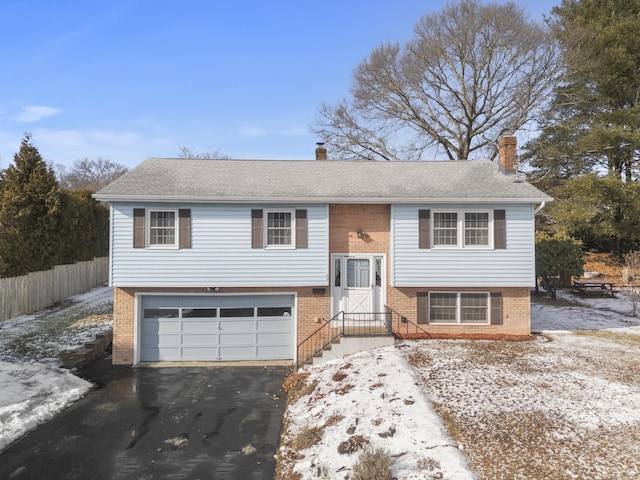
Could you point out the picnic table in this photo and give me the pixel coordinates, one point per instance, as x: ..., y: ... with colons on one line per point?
x: 598, y: 286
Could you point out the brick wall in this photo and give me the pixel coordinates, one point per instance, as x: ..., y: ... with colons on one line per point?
x: 346, y: 220
x: 123, y: 326
x: 516, y: 312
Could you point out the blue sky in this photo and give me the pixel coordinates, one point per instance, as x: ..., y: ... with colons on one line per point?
x: 129, y: 79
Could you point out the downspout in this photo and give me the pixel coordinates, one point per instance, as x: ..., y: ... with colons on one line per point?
x: 540, y: 207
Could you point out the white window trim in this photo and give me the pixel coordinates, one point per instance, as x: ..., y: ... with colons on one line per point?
x: 459, y: 308
x: 172, y: 246
x: 461, y: 229
x: 265, y: 216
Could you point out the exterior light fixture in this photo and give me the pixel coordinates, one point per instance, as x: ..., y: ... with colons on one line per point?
x: 359, y: 233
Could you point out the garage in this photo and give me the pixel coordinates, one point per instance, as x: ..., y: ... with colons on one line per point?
x: 216, y: 328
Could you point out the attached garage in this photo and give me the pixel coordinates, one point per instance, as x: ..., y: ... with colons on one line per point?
x: 216, y: 327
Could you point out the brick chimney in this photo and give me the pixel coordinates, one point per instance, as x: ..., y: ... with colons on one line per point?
x: 507, y: 158
x: 321, y: 152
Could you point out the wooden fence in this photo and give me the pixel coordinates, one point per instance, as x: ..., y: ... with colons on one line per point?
x: 38, y: 290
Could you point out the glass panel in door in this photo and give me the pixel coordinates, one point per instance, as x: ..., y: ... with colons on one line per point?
x: 358, y: 273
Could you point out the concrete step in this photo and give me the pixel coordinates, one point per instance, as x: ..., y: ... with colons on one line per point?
x: 349, y: 345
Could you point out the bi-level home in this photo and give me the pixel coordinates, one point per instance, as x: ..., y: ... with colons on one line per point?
x: 247, y: 259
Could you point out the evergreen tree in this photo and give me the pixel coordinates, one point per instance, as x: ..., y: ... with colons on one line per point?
x: 594, y: 121
x: 602, y: 212
x: 29, y: 214
x: 557, y: 256
x: 84, y: 226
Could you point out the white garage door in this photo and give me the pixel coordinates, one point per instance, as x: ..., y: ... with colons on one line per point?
x: 243, y: 327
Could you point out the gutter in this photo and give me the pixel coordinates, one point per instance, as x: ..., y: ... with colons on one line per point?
x: 311, y: 200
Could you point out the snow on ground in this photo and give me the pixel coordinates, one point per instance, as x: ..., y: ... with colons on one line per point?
x: 373, y: 396
x: 33, y: 388
x: 572, y: 312
x: 564, y: 406
x: 42, y: 336
x: 32, y: 393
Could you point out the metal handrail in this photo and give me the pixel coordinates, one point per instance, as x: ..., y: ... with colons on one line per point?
x: 397, y: 329
x: 343, y: 324
x: 322, y: 337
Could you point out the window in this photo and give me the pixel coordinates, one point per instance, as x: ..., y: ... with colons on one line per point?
x: 161, y: 313
x: 459, y: 308
x: 274, y: 311
x: 443, y: 308
x: 199, y: 313
x: 237, y: 312
x: 162, y: 228
x: 476, y: 228
x: 358, y: 272
x: 461, y: 229
x: 445, y: 228
x: 280, y: 229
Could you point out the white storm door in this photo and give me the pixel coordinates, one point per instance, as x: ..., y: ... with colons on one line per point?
x: 358, y: 290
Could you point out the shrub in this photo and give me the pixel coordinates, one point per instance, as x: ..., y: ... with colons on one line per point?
x: 307, y: 438
x: 352, y: 445
x: 373, y: 465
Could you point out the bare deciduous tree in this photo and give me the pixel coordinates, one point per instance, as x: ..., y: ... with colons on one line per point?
x: 90, y: 174
x: 470, y: 73
x: 211, y: 153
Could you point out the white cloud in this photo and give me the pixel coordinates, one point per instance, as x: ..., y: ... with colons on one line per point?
x: 113, y: 137
x: 252, y: 132
x: 58, y: 138
x: 35, y: 113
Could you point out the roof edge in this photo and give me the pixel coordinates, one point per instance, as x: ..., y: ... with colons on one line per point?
x: 352, y: 200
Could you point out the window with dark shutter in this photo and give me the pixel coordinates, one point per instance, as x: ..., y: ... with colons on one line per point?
x: 301, y: 229
x: 184, y: 215
x: 256, y: 228
x: 499, y: 229
x: 138, y: 228
x: 424, y: 228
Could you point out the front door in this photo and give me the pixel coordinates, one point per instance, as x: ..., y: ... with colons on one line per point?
x: 358, y: 291
x: 358, y: 283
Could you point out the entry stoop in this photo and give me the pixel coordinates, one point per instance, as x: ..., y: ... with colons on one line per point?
x: 346, y: 345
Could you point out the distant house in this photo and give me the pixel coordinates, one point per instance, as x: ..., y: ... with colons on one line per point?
x: 245, y: 259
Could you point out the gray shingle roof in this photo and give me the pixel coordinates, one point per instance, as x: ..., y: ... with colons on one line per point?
x: 317, y: 181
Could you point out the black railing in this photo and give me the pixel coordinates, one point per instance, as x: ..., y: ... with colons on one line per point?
x: 403, y: 328
x: 343, y: 325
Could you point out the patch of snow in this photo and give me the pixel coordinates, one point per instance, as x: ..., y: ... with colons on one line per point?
x: 375, y: 395
x: 32, y: 393
x: 32, y: 387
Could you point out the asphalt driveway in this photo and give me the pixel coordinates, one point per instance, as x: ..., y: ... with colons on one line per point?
x: 219, y: 422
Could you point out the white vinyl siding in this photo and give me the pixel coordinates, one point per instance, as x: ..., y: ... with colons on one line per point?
x: 457, y: 267
x: 220, y: 253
